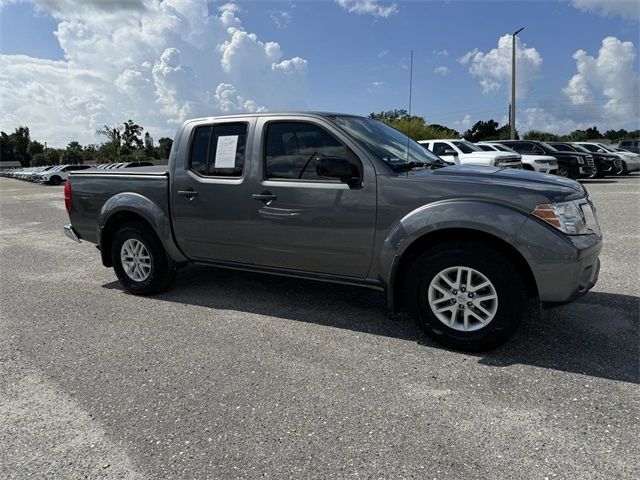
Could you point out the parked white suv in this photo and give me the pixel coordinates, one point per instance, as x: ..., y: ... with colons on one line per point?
x: 59, y: 174
x: 630, y: 160
x: 537, y: 163
x: 466, y: 153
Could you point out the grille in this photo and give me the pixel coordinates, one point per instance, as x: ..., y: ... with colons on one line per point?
x: 590, y: 161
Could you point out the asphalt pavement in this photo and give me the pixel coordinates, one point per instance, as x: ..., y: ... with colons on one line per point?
x: 239, y: 375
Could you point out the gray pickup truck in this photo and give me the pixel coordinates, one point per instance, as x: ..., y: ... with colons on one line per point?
x: 349, y: 200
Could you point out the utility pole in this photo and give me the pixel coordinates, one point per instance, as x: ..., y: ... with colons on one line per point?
x: 512, y: 120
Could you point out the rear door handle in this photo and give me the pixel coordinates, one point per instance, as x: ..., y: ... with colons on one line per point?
x: 188, y: 194
x: 265, y: 197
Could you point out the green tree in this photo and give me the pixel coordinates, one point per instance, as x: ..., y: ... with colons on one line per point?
x: 482, y: 130
x: 413, y: 126
x: 164, y: 148
x: 111, y: 149
x: 90, y: 153
x: 131, y: 135
x: 6, y: 148
x: 51, y: 156
x: 540, y: 135
x: 72, y: 154
x: 35, y: 148
x: 19, y: 144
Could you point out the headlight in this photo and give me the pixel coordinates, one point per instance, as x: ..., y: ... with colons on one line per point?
x: 572, y: 218
x: 580, y: 160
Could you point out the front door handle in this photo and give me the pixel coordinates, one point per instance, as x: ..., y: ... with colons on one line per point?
x: 266, y: 197
x: 188, y: 194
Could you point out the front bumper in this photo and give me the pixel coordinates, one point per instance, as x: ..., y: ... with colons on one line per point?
x: 70, y: 232
x: 564, y: 267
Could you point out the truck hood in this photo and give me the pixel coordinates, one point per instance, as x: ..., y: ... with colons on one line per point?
x: 484, y: 155
x: 522, y: 188
x: 524, y: 178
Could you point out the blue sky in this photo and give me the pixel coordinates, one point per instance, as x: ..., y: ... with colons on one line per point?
x: 352, y: 58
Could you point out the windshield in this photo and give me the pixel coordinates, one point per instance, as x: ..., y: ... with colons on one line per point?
x: 487, y: 148
x: 504, y: 149
x: 606, y: 149
x: 591, y: 148
x: 386, y: 143
x: 546, y: 145
x: 564, y: 147
x: 579, y: 148
x: 466, y: 147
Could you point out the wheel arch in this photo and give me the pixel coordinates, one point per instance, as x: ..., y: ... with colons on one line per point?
x: 126, y: 207
x: 435, y: 238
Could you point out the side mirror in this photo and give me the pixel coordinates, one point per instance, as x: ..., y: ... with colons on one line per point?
x: 450, y: 151
x: 337, y: 167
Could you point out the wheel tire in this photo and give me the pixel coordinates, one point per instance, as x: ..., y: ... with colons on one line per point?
x: 496, y: 267
x: 623, y: 169
x: 563, y: 171
x: 161, y: 274
x: 55, y: 180
x: 597, y: 173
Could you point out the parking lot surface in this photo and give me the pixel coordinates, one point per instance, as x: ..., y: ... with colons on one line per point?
x: 238, y: 375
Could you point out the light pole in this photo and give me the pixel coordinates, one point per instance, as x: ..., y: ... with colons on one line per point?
x: 512, y: 120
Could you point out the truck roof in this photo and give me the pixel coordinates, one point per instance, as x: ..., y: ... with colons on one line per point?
x: 308, y: 113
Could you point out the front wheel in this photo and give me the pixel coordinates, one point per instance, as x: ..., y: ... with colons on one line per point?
x: 55, y: 180
x: 466, y: 296
x: 139, y: 260
x: 563, y: 170
x: 623, y: 169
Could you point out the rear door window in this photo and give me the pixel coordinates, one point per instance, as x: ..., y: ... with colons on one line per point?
x: 218, y: 150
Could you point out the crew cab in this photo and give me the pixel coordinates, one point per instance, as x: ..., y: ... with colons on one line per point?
x: 350, y: 200
x: 571, y: 164
x: 466, y: 153
x: 536, y: 163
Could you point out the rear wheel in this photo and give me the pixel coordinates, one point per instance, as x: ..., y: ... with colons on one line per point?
x: 466, y: 296
x: 139, y: 260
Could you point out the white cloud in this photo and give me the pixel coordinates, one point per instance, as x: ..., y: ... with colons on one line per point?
x: 281, y: 18
x: 606, y: 86
x: 463, y: 124
x: 627, y: 9
x: 155, y: 62
x: 442, y: 70
x: 369, y: 7
x: 374, y: 86
x: 441, y: 53
x: 493, y: 68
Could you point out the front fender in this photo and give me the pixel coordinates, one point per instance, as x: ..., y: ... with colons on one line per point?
x: 491, y: 218
x: 129, y: 202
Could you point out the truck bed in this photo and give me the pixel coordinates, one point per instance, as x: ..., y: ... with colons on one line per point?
x: 93, y: 188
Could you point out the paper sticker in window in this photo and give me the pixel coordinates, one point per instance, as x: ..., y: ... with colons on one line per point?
x: 226, y: 151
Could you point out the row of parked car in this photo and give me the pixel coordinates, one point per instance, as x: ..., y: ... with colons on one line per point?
x: 568, y: 159
x: 57, y: 174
